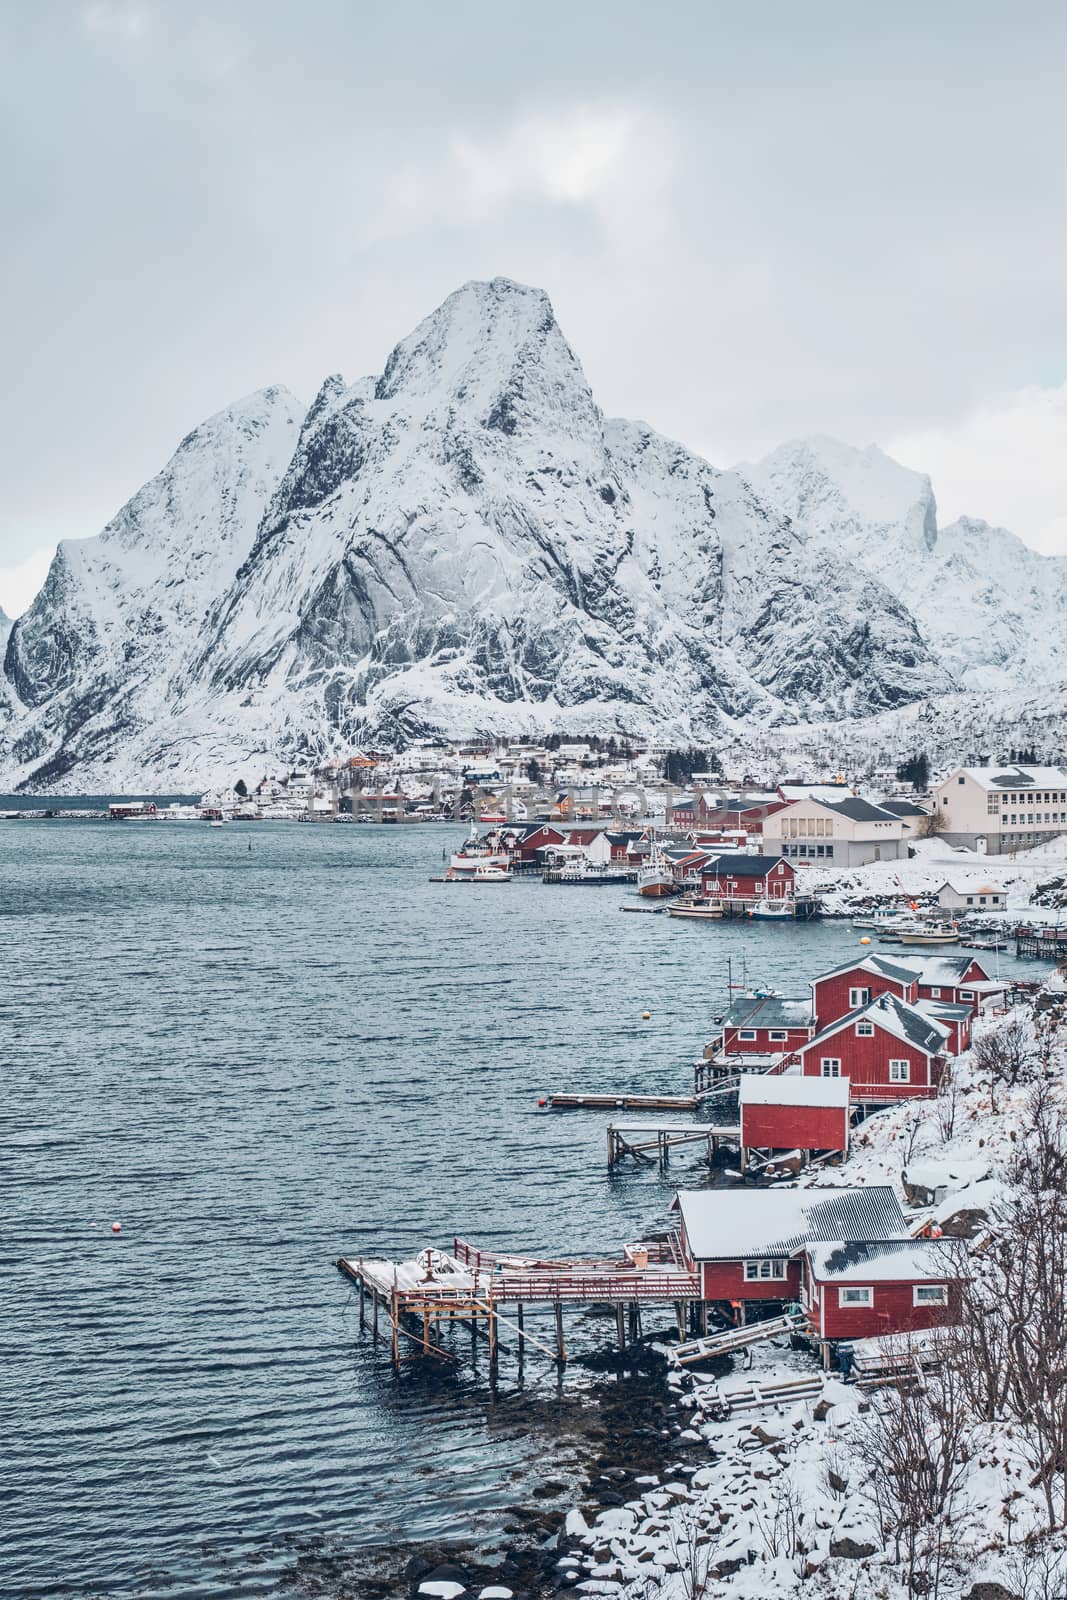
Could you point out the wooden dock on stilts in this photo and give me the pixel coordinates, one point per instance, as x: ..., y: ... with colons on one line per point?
x: 488, y: 1291
x: 645, y: 1140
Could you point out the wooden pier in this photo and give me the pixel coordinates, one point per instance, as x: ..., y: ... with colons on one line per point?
x: 642, y: 1139
x: 1041, y: 944
x: 416, y: 1301
x: 622, y: 1102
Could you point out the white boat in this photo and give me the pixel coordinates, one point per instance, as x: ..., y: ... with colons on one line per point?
x: 579, y: 870
x: 483, y: 874
x: 216, y: 822
x: 927, y: 936
x: 697, y: 910
x: 477, y: 853
x: 772, y: 911
x: 883, y: 920
x: 656, y: 877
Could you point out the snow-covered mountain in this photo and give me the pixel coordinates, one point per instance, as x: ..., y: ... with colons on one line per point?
x: 463, y: 543
x: 989, y: 606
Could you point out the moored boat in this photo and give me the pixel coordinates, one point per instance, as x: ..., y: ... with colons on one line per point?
x: 656, y: 877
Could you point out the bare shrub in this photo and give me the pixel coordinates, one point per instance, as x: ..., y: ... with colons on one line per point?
x: 1006, y: 1057
x: 693, y: 1550
x: 912, y: 1450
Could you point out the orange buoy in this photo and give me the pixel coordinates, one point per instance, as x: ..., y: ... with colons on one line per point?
x: 865, y: 940
x: 645, y: 1015
x: 116, y: 1227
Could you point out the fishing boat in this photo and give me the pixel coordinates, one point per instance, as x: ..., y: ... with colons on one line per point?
x: 656, y: 877
x: 882, y: 922
x: 475, y: 853
x: 697, y: 909
x: 482, y: 874
x: 772, y: 911
x: 579, y: 870
x: 928, y: 936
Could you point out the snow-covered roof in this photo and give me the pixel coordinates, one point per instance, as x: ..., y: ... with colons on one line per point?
x: 776, y: 1089
x: 900, y: 970
x: 969, y: 888
x: 814, y: 791
x: 1015, y: 777
x: 946, y: 971
x: 726, y: 1224
x: 883, y: 1260
x: 892, y: 1015
x: 769, y: 1011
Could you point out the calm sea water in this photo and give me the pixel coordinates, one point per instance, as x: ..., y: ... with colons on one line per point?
x: 259, y: 1059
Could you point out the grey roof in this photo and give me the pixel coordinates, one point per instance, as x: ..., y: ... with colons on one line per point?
x: 860, y: 810
x: 730, y: 1224
x: 888, y: 1011
x: 946, y: 970
x: 904, y: 808
x: 901, y: 971
x: 770, y: 1011
x: 742, y: 866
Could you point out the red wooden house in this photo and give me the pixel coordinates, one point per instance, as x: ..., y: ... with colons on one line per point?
x: 766, y: 1025
x: 959, y: 980
x: 889, y: 1050
x: 743, y: 1242
x: 847, y: 988
x: 859, y: 1290
x: 531, y: 839
x: 787, y: 1111
x: 747, y: 878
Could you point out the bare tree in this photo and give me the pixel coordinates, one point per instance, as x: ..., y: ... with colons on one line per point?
x: 1006, y: 1057
x: 933, y: 825
x: 912, y: 1450
x: 780, y: 1528
x: 1011, y: 1340
x: 948, y: 1101
x: 693, y: 1550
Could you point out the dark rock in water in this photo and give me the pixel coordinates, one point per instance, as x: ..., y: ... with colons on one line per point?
x: 448, y: 1572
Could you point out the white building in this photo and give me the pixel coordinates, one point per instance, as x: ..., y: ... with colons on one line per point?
x: 840, y: 833
x: 971, y: 897
x: 1000, y: 809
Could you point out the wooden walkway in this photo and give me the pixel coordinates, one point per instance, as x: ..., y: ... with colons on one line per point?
x: 725, y: 1343
x: 642, y: 1139
x: 622, y: 1102
x: 418, y: 1298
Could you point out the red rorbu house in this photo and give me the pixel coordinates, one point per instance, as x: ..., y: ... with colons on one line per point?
x: 957, y: 981
x: 888, y: 1049
x: 745, y: 879
x: 859, y: 1290
x: 946, y: 988
x: 791, y: 1112
x: 765, y: 1026
x: 846, y: 988
x: 743, y: 1242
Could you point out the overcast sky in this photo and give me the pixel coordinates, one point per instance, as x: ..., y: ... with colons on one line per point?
x: 755, y: 221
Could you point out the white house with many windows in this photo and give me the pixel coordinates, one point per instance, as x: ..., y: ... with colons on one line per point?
x: 1001, y: 809
x: 846, y: 833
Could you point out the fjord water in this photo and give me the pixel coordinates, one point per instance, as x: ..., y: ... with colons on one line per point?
x: 258, y: 1059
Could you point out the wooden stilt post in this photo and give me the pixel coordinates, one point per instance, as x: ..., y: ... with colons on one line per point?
x: 396, y: 1327
x: 426, y: 1330
x: 611, y: 1146
x: 633, y: 1321
x: 703, y: 1318
x: 362, y: 1306
x: 620, y: 1324
x: 561, y: 1348
x: 522, y: 1336
x: 679, y: 1318
x: 374, y: 1314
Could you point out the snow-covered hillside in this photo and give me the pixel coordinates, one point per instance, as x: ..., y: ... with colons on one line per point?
x: 464, y: 544
x: 989, y: 606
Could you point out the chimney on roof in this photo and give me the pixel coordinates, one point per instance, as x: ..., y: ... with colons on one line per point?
x: 883, y: 1001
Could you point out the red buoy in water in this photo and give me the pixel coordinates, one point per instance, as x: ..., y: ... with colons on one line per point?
x: 542, y: 1102
x: 116, y: 1227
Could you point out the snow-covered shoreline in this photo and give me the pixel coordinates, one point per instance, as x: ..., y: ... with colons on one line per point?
x: 780, y: 1507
